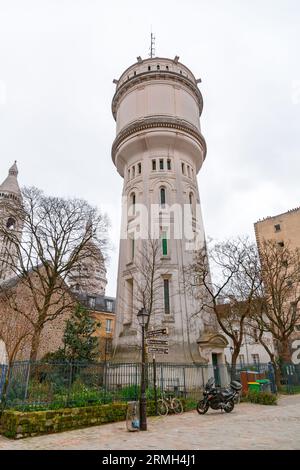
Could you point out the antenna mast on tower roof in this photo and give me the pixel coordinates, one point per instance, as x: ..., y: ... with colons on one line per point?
x: 152, y: 46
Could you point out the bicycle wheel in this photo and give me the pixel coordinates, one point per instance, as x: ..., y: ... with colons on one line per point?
x: 162, y: 407
x: 176, y: 406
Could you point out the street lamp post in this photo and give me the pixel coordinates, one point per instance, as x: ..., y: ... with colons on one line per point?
x: 143, y: 319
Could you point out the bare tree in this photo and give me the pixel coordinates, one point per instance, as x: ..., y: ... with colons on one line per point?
x: 147, y: 276
x: 57, y: 236
x: 15, y: 330
x: 278, y: 311
x: 230, y: 290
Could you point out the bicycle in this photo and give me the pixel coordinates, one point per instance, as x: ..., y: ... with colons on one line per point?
x: 165, y: 404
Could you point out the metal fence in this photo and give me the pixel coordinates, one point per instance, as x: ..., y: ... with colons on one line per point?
x: 40, y: 385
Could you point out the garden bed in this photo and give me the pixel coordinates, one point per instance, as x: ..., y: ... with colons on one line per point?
x: 20, y: 424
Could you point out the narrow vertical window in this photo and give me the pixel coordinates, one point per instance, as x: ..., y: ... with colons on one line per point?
x: 166, y: 296
x: 133, y: 171
x: 132, y: 248
x: 169, y: 164
x: 162, y: 197
x: 140, y: 168
x: 188, y: 170
x: 183, y: 168
x: 191, y: 199
x: 153, y: 165
x: 128, y: 173
x: 133, y: 200
x: 164, y: 243
x: 161, y: 164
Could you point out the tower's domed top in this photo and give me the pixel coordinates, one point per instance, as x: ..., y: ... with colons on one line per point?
x: 10, y: 184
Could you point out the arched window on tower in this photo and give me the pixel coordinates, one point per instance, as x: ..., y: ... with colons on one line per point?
x: 11, y: 223
x: 162, y: 197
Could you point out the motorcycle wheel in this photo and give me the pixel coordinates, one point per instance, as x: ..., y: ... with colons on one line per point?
x: 202, y: 407
x: 229, y: 407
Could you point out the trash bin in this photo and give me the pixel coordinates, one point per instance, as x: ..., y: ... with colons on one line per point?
x: 254, y: 386
x: 133, y: 416
x: 265, y: 385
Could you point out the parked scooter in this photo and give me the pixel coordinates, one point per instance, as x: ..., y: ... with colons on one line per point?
x: 219, y: 398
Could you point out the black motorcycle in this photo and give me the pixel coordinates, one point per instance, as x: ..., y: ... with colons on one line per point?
x: 219, y: 398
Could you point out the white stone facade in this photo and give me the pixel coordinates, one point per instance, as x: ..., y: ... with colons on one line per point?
x: 159, y: 150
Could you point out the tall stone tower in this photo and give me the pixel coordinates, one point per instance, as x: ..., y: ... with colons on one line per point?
x: 159, y: 150
x: 89, y: 276
x: 10, y: 203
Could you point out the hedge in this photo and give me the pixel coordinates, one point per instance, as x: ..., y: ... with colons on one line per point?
x: 261, y: 398
x: 19, y: 424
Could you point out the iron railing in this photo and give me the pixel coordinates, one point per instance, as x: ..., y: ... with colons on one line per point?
x: 40, y: 385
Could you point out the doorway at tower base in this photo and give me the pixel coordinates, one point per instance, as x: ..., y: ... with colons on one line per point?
x: 211, y: 348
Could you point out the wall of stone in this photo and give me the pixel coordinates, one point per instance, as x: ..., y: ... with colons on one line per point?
x: 18, y: 424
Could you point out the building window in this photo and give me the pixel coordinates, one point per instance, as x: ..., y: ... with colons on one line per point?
x: 167, y: 296
x: 188, y: 170
x: 162, y: 197
x: 109, y: 305
x: 132, y: 247
x: 11, y: 223
x: 149, y: 68
x: 277, y: 228
x: 153, y: 165
x: 161, y: 164
x: 242, y: 359
x: 108, y: 346
x: 133, y: 171
x: 191, y: 199
x: 128, y: 173
x: 133, y: 201
x: 169, y: 164
x: 139, y: 168
x: 108, y: 326
x: 167, y: 67
x: 158, y: 67
x: 164, y: 243
x: 255, y: 335
x: 281, y: 244
x: 255, y: 358
x: 92, y: 302
x: 183, y: 168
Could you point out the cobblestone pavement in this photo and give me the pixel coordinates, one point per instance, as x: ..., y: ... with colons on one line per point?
x: 247, y: 427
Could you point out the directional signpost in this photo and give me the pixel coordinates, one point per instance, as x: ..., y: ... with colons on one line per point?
x: 162, y: 342
x: 160, y: 332
x: 156, y: 345
x: 158, y: 350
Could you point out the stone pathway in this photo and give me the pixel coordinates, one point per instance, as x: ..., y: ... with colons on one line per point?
x: 247, y: 427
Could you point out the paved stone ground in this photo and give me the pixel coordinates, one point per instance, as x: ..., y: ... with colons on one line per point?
x: 247, y: 427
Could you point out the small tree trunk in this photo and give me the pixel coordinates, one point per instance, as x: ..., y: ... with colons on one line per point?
x: 35, y: 342
x: 233, y: 364
x: 285, y: 352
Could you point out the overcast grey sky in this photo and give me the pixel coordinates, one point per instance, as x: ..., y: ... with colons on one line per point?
x: 57, y: 62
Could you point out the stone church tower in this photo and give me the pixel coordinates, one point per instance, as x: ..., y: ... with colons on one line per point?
x: 159, y: 150
x: 89, y: 276
x: 10, y: 202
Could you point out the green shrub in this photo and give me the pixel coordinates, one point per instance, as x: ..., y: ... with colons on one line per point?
x: 261, y: 398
